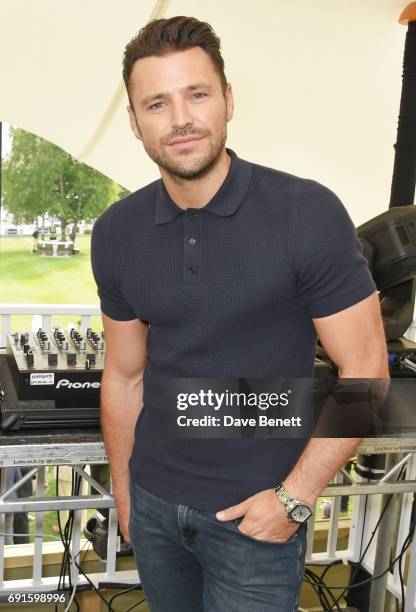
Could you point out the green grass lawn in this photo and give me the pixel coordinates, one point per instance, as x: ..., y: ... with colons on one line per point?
x: 27, y: 278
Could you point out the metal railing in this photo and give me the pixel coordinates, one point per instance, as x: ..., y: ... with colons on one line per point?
x: 366, y: 509
x: 40, y: 504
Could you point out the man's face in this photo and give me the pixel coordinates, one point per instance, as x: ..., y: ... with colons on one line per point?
x: 178, y: 97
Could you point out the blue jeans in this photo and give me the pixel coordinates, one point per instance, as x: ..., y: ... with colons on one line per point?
x: 189, y: 561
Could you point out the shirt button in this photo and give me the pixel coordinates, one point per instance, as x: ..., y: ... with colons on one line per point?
x: 192, y: 214
x: 191, y: 270
x: 192, y: 241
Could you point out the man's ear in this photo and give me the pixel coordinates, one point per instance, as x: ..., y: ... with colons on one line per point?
x: 229, y: 102
x: 133, y: 123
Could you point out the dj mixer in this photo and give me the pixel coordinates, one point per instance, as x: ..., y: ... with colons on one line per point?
x: 51, y: 378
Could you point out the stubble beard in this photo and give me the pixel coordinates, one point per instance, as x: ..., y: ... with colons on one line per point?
x: 188, y: 166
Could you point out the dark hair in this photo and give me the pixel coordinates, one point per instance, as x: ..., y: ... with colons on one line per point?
x: 162, y: 36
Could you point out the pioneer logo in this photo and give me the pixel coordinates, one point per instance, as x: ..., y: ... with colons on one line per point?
x: 64, y: 382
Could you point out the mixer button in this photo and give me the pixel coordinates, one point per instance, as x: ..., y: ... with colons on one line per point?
x: 52, y: 358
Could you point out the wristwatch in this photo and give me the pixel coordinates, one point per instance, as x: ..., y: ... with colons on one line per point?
x: 297, y: 511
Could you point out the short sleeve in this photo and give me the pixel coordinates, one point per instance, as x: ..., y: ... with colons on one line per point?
x: 103, y: 263
x: 331, y: 272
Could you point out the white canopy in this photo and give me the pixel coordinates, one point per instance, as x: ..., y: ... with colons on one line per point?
x: 316, y: 84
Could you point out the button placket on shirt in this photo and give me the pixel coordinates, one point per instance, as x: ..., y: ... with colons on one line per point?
x: 192, y: 246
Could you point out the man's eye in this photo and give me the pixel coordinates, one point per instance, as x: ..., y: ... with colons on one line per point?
x: 198, y: 94
x: 156, y: 106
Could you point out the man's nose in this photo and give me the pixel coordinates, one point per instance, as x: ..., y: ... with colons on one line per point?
x: 181, y: 115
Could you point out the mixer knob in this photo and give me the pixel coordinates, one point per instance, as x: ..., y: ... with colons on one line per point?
x: 82, y: 345
x: 64, y: 345
x: 29, y: 358
x: 100, y: 345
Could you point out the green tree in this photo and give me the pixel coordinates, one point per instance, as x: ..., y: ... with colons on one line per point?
x: 40, y: 178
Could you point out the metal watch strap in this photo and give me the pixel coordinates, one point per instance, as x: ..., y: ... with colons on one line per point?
x: 287, y: 500
x: 283, y: 494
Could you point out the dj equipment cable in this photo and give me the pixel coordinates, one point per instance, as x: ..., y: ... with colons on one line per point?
x: 319, y: 586
x: 136, y: 604
x: 400, y: 570
x: 42, y: 535
x: 65, y: 566
x: 399, y: 557
x: 318, y: 583
x: 356, y: 569
x: 82, y: 587
x: 66, y: 538
x: 132, y: 588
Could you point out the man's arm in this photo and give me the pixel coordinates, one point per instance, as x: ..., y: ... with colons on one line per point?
x: 354, y: 339
x: 121, y: 403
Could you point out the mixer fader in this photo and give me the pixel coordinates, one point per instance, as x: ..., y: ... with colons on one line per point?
x: 57, y: 350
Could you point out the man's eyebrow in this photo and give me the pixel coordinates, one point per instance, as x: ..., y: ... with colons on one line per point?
x: 201, y: 84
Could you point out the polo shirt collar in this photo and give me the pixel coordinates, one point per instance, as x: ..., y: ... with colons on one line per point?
x: 224, y: 203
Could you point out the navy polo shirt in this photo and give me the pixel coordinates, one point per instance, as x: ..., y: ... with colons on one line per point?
x: 228, y: 290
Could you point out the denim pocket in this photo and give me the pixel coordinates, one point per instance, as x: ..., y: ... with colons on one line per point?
x: 236, y: 522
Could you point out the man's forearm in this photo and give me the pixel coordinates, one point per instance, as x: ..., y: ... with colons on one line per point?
x: 323, y: 457
x: 121, y: 403
x: 320, y: 460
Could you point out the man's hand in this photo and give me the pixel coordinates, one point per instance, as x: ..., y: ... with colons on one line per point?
x: 265, y: 517
x: 123, y: 513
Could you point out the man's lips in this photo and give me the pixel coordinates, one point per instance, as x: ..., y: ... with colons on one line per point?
x: 180, y: 143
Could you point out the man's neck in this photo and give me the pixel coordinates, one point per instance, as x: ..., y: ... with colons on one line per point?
x: 197, y: 193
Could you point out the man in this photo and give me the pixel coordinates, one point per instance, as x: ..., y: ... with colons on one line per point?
x: 222, y: 268
x: 35, y: 237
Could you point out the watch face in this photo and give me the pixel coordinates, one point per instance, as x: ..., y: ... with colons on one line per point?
x: 300, y: 513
